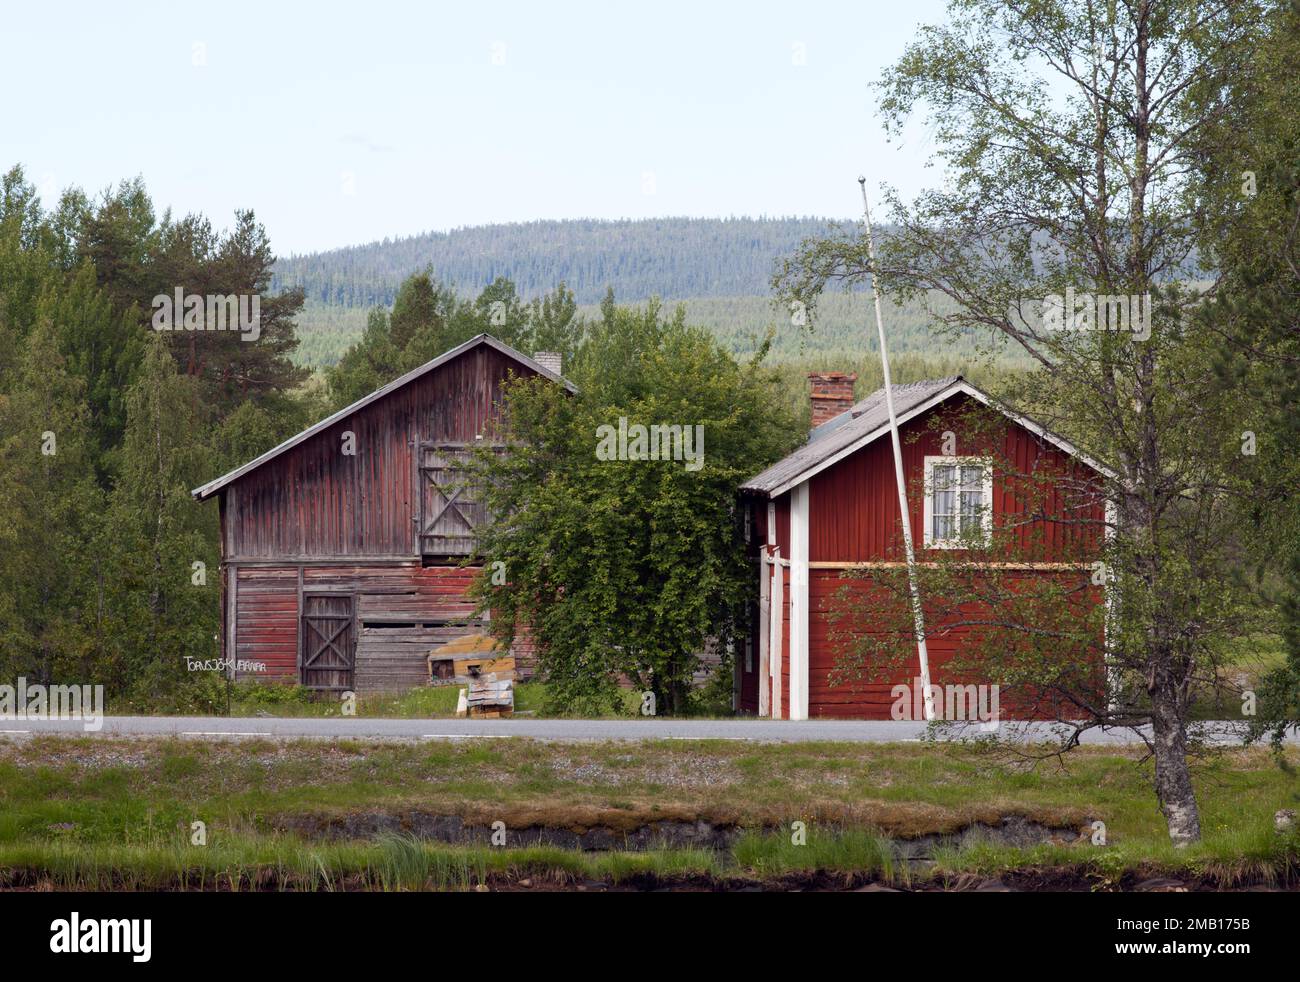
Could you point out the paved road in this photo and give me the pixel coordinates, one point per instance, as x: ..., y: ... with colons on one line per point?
x: 755, y: 730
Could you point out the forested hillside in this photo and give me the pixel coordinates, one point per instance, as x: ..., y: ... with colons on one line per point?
x: 720, y: 270
x: 673, y: 258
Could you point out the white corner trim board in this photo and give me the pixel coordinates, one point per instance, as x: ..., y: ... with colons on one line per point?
x: 799, y: 602
x: 764, y: 628
x: 774, y: 645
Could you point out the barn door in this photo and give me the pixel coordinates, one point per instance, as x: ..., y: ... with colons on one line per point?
x: 329, y: 647
x: 451, y: 506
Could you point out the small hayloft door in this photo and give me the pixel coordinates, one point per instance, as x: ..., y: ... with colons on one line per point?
x: 451, y: 506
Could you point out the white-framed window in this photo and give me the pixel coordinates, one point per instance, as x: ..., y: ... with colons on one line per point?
x: 958, y: 502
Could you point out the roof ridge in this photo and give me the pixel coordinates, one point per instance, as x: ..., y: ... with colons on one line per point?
x: 205, y: 491
x: 859, y: 407
x: 846, y: 432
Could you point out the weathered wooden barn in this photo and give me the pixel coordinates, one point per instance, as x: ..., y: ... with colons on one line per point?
x: 832, y: 506
x: 343, y: 549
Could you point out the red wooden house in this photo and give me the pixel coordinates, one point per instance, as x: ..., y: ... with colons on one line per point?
x: 343, y: 549
x: 832, y: 506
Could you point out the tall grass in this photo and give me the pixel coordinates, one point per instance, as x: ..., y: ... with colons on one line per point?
x: 1231, y: 857
x: 397, y: 862
x: 846, y: 851
x: 388, y: 863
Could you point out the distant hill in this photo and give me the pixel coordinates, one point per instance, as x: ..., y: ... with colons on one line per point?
x: 674, y: 258
x: 720, y: 269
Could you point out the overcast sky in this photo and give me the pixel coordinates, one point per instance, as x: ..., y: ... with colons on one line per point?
x: 341, y: 123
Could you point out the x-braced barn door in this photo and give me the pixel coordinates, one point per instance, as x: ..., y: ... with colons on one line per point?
x: 329, y: 650
x: 451, y: 507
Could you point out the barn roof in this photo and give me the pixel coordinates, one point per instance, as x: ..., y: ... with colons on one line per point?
x: 868, y: 420
x: 212, y: 487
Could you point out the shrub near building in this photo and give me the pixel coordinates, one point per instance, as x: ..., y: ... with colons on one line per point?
x: 626, y: 566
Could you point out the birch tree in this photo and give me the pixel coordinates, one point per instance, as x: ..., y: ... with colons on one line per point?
x: 1071, y: 138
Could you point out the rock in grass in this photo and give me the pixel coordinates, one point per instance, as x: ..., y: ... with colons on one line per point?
x: 1161, y: 885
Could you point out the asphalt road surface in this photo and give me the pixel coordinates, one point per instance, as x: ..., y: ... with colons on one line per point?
x: 754, y: 730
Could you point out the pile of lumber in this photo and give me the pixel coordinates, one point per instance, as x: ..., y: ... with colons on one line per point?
x: 487, y: 674
x: 491, y: 696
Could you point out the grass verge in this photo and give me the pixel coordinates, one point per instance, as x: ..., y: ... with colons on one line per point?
x: 92, y: 813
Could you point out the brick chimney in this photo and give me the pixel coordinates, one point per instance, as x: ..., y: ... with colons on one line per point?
x: 832, y: 394
x: 552, y: 361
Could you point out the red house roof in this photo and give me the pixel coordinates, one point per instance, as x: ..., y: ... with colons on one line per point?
x: 869, y: 420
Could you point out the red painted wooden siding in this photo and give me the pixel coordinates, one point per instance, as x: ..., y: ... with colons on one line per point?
x: 268, y: 616
x: 863, y: 698
x: 853, y: 505
x: 266, y: 627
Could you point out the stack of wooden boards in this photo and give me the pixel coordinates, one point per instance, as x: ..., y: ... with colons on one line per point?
x: 488, y: 676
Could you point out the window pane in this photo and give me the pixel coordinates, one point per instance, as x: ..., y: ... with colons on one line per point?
x: 957, y: 500
x: 943, y: 525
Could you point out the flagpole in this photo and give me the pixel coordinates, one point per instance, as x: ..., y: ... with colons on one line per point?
x: 918, y: 619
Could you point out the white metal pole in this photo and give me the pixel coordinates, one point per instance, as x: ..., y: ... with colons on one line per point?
x: 918, y: 619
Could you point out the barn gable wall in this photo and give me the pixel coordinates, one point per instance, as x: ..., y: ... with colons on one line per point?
x: 315, y: 502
